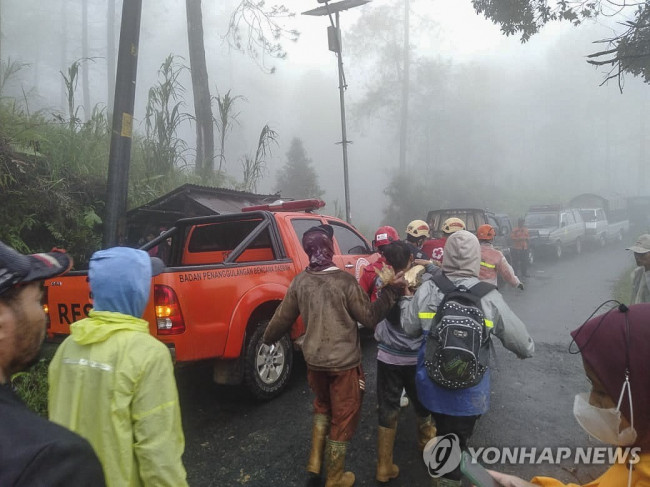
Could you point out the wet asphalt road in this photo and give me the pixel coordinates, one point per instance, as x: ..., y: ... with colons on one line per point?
x: 233, y: 440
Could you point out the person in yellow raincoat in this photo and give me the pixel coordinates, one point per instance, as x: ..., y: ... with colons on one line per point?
x: 615, y: 350
x: 113, y: 383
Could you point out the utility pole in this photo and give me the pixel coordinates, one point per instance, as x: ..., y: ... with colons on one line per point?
x: 334, y: 41
x: 119, y: 159
x: 405, y: 91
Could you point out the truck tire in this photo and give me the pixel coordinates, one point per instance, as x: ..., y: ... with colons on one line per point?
x: 267, y: 368
x: 578, y: 246
x: 558, y: 250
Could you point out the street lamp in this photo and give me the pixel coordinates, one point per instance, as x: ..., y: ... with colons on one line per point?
x: 334, y: 43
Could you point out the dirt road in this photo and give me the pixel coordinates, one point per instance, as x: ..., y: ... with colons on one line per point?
x: 233, y: 440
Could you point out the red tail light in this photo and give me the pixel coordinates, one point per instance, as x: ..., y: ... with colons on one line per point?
x: 169, y: 318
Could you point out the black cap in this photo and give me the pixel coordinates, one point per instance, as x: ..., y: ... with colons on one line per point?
x: 16, y: 268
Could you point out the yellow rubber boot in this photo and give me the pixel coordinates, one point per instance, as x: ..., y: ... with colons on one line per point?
x: 336, y: 476
x: 320, y: 428
x: 386, y: 469
x: 426, y: 431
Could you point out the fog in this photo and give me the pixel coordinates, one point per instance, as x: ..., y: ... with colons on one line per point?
x: 492, y: 121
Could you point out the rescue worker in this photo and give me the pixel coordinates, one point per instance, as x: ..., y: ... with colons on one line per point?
x: 383, y: 236
x: 33, y: 450
x: 493, y: 262
x: 457, y: 410
x: 434, y: 249
x: 416, y: 233
x: 519, y: 249
x: 397, y: 355
x: 113, y: 383
x: 331, y: 302
x: 641, y: 275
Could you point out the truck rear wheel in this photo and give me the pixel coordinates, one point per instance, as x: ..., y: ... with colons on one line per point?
x: 267, y: 368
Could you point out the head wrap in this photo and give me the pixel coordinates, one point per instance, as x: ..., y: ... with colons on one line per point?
x: 462, y: 255
x: 319, y: 247
x: 605, y: 346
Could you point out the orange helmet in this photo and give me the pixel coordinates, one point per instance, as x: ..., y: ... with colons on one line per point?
x: 486, y: 232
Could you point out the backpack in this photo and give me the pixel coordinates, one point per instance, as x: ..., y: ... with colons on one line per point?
x: 457, y: 346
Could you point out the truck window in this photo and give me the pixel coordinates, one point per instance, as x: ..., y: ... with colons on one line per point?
x: 349, y: 242
x: 300, y: 226
x: 212, y: 243
x: 541, y: 220
x: 569, y: 218
x: 588, y: 215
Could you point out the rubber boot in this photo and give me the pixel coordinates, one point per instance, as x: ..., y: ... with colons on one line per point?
x: 443, y: 482
x: 386, y: 469
x: 336, y: 476
x: 320, y: 428
x: 426, y: 431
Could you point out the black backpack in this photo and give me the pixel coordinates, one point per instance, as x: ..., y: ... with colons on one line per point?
x: 457, y: 346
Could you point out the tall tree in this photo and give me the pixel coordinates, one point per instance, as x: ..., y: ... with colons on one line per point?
x: 298, y: 178
x: 627, y: 49
x: 201, y: 89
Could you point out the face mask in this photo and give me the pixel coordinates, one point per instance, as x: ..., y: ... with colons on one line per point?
x: 605, y: 424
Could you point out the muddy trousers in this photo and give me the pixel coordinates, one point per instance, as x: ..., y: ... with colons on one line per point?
x: 391, y: 379
x: 462, y: 426
x: 338, y: 395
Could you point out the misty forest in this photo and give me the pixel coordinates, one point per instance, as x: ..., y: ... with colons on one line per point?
x: 476, y: 103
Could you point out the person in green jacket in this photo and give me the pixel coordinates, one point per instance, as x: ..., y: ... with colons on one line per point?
x: 113, y: 383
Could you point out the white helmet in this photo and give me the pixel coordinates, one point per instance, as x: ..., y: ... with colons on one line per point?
x: 418, y: 228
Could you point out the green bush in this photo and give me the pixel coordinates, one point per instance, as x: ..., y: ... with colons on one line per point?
x: 31, y: 386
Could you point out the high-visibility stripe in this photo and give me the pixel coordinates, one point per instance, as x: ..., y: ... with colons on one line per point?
x: 489, y: 266
x: 429, y: 315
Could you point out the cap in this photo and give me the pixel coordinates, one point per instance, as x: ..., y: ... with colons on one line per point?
x: 452, y: 225
x: 485, y: 232
x: 326, y: 229
x: 385, y: 235
x: 642, y: 244
x: 16, y: 268
x: 418, y: 228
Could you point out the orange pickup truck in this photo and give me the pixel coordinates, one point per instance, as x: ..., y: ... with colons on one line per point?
x: 226, y: 275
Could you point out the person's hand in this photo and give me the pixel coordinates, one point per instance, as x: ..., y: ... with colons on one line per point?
x: 509, y: 480
x: 521, y: 286
x: 399, y: 281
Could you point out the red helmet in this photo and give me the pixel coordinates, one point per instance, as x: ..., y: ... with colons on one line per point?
x: 385, y: 235
x: 486, y: 232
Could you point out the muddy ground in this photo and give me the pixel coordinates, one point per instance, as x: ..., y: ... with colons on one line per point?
x: 234, y: 440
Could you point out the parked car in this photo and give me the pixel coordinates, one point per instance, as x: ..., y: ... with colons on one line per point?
x: 474, y: 218
x: 555, y: 229
x: 606, y: 218
x: 599, y: 230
